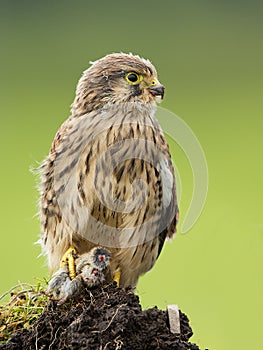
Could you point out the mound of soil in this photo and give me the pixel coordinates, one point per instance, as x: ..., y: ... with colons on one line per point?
x: 103, y: 318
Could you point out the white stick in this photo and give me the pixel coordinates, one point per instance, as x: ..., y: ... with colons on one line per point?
x: 174, y: 318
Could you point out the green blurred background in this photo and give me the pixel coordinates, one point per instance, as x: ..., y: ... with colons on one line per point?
x: 209, y: 56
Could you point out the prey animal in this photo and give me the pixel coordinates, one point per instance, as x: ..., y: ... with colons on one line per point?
x: 91, y: 269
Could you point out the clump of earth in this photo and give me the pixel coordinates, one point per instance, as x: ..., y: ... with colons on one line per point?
x: 104, y: 318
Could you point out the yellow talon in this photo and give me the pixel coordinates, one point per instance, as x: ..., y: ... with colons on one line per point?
x: 117, y: 276
x: 69, y: 258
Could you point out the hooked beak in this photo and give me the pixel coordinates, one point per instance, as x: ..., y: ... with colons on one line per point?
x: 157, y: 90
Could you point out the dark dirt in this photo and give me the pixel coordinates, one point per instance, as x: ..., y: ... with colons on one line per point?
x: 104, y: 318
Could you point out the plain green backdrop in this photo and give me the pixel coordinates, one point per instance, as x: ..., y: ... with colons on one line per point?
x: 209, y: 56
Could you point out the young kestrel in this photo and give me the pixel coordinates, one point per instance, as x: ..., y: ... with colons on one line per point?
x: 108, y: 180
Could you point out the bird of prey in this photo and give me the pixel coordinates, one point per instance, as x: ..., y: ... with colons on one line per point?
x: 108, y: 180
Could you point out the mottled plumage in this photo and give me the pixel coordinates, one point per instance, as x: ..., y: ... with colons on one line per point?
x: 109, y: 180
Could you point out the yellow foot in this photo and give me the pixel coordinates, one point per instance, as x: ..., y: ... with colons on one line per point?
x: 117, y: 276
x: 69, y: 259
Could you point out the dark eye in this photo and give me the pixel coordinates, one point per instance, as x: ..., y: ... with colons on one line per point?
x: 133, y: 78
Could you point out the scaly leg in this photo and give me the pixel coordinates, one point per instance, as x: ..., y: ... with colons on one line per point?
x: 117, y: 276
x: 69, y: 259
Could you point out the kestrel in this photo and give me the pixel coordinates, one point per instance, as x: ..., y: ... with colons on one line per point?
x: 108, y: 180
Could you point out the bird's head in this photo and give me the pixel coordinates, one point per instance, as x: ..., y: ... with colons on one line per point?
x: 101, y: 258
x: 117, y: 78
